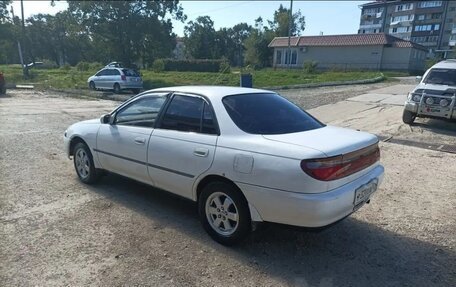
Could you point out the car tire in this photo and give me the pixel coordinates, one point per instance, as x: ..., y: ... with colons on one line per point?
x: 117, y: 88
x: 83, y: 164
x: 136, y: 91
x: 224, y: 213
x: 408, y: 117
x: 92, y: 86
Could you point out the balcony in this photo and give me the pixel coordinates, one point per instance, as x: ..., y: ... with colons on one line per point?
x: 453, y: 31
x: 370, y: 26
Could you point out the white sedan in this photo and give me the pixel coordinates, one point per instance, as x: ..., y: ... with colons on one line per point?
x: 245, y: 155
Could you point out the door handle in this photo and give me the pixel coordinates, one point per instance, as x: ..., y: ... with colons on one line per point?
x: 202, y: 152
x: 140, y: 140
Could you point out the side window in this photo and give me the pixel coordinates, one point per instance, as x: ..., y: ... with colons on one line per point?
x: 141, y: 112
x: 101, y: 73
x: 183, y: 114
x: 115, y: 72
x: 208, y: 121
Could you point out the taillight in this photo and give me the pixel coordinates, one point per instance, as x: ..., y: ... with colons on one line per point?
x: 332, y: 168
x: 123, y: 77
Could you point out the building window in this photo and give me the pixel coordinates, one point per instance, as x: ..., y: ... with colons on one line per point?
x: 436, y: 27
x: 436, y: 16
x: 294, y: 57
x: 423, y: 28
x: 452, y: 8
x: 429, y: 4
x: 421, y: 17
x: 400, y: 30
x: 402, y: 18
x: 404, y: 7
x: 279, y: 57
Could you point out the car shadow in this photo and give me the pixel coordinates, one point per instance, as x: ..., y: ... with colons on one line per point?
x: 351, y: 253
x: 444, y: 127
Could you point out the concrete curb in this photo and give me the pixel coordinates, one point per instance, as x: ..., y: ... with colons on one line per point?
x: 328, y: 84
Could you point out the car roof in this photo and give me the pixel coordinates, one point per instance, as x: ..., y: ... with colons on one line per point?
x: 211, y: 91
x: 447, y: 64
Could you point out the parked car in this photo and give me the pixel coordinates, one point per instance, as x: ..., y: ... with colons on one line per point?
x: 116, y: 79
x: 245, y: 155
x: 435, y: 95
x: 2, y: 84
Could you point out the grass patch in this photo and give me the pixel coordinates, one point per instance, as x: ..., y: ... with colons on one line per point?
x: 71, y: 78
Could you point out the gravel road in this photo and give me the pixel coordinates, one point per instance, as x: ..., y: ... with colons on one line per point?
x: 56, y: 231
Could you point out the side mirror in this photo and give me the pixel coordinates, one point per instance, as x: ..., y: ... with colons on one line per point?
x: 105, y: 119
x: 418, y: 79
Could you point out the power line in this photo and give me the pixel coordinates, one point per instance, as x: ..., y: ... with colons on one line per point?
x: 221, y: 8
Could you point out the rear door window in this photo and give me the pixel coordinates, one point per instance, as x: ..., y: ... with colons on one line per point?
x: 130, y: 73
x: 184, y: 113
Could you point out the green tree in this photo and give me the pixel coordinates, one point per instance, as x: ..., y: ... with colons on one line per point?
x: 257, y: 53
x: 280, y: 22
x: 128, y: 31
x: 201, y: 38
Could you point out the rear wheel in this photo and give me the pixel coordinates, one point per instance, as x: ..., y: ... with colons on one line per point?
x: 83, y: 164
x: 92, y: 85
x: 408, y: 117
x: 116, y: 88
x: 224, y: 213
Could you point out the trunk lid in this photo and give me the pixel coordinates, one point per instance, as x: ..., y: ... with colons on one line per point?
x: 331, y: 141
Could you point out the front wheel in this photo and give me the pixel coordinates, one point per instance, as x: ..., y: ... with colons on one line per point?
x: 83, y: 164
x: 92, y: 86
x: 408, y: 117
x: 224, y: 213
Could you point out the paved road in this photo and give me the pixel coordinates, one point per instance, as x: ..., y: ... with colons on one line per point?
x: 56, y: 231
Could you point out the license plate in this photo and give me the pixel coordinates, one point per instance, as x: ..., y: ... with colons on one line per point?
x: 363, y: 193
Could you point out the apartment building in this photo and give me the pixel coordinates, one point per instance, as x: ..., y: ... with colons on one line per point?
x: 429, y: 23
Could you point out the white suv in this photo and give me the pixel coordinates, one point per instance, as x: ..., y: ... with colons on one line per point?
x: 435, y: 95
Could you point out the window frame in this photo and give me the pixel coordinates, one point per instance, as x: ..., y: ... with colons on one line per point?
x: 113, y: 115
x: 165, y: 107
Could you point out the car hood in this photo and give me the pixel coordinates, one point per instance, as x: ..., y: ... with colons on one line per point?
x: 329, y: 140
x: 434, y: 87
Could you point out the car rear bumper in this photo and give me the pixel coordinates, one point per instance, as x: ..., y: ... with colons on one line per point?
x: 131, y: 85
x: 307, y: 210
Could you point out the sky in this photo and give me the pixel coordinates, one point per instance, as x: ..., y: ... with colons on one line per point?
x: 329, y: 17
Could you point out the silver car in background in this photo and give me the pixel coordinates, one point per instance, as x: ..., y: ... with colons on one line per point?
x: 117, y: 79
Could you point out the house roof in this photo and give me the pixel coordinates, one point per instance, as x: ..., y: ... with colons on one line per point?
x: 345, y: 40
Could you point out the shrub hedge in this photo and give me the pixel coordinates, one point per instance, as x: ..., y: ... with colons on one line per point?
x: 196, y: 65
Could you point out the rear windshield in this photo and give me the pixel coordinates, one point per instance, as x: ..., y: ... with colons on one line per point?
x: 441, y: 77
x: 268, y: 114
x: 130, y: 73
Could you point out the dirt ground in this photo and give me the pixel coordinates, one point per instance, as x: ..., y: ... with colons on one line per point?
x: 56, y: 231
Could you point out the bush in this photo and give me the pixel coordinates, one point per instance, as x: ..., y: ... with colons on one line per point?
x: 158, y: 65
x: 196, y: 65
x: 83, y: 66
x: 66, y: 67
x: 95, y: 66
x: 310, y: 67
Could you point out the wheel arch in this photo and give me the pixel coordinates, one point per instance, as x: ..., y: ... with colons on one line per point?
x: 74, y: 141
x: 254, y: 214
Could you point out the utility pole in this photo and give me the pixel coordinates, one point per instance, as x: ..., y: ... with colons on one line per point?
x: 23, y: 62
x: 290, y: 23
